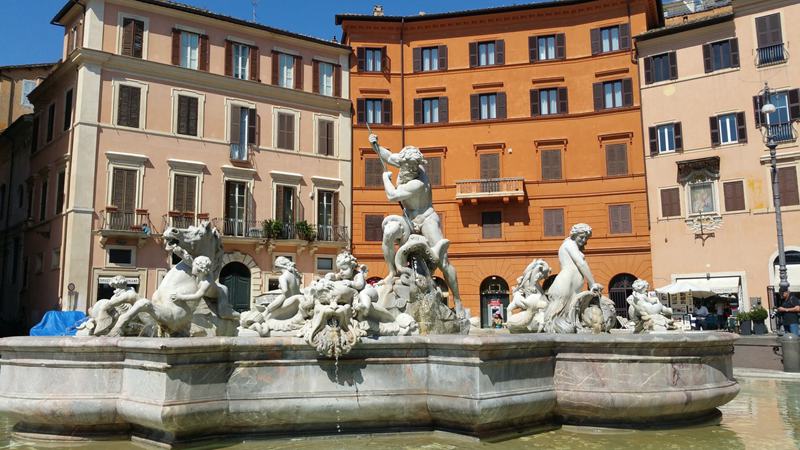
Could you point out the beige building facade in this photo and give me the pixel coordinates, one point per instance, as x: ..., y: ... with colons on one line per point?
x: 708, y: 169
x: 165, y: 115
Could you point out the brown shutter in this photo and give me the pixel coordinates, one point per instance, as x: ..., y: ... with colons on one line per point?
x: 434, y: 170
x: 372, y: 228
x: 387, y: 112
x: 179, y: 193
x: 135, y: 98
x: 335, y: 202
x: 279, y: 194
x: 255, y: 69
x: 561, y: 46
x: 563, y: 102
x: 627, y: 92
x: 252, y: 127
x: 373, y: 170
x: 597, y: 46
x: 444, y: 110
x: 337, y: 80
x: 616, y: 160
x: 734, y: 195
x: 236, y: 117
x: 768, y: 30
x: 707, y: 62
x: 757, y: 114
x: 741, y: 127
x: 787, y: 177
x: 491, y: 225
x: 298, y: 72
x: 228, y: 58
x: 123, y: 190
x: 331, y: 138
x: 118, y: 188
x: 620, y: 218
x: 474, y: 107
x: 762, y: 32
x: 322, y: 137
x: 648, y: 70
x: 534, y: 102
x: 315, y: 76
x: 127, y: 36
x: 418, y: 119
x: 775, y: 34
x: 176, y: 47
x: 123, y: 106
x: 193, y: 114
x: 713, y: 124
x: 361, y: 111
x: 501, y: 105
x: 533, y: 49
x: 553, y: 222
x: 138, y: 38
x: 653, y: 132
x: 670, y: 202
x: 473, y: 54
x: 624, y: 36
x: 499, y: 52
x: 490, y: 166
x: 203, y: 63
x: 734, y: 52
x: 673, y: 66
x: 794, y: 104
x: 417, y: 59
x: 385, y: 60
x: 678, y: 137
x: 183, y: 114
x: 597, y: 89
x: 275, y: 67
x: 362, y: 59
x: 551, y: 164
x: 442, y: 57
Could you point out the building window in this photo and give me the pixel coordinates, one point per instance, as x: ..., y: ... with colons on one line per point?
x: 68, y: 110
x: 27, y: 87
x: 187, y: 115
x: 123, y: 192
x: 327, y: 208
x: 373, y: 59
x: 427, y: 59
x: 490, y: 166
x: 190, y: 50
x: 553, y: 222
x: 128, y: 106
x: 721, y: 55
x: 551, y: 165
x: 612, y: 94
x: 325, y: 134
x: 434, y: 170
x: 376, y: 111
x: 119, y: 256
x: 547, y: 47
x: 286, y: 71
x: 286, y: 209
x: 727, y: 129
x: 787, y: 178
x: 701, y: 198
x: 488, y: 103
x: 430, y: 110
x: 51, y: 120
x: 235, y: 208
x: 43, y: 201
x: 620, y: 219
x: 546, y: 102
x: 373, y: 172
x: 430, y: 58
x: 132, y: 37
x: 324, y: 264
x: 770, y: 40
x: 285, y: 131
x: 666, y: 138
x: 491, y: 225
x: 325, y: 76
x: 670, y: 202
x: 661, y: 68
x: 486, y: 55
x: 734, y: 195
x: 55, y: 259
x: 543, y: 48
x: 241, y: 58
x: 60, y: 183
x: 373, y: 228
x: 610, y: 39
x: 616, y: 159
x: 184, y: 200
x: 242, y: 132
x: 787, y: 109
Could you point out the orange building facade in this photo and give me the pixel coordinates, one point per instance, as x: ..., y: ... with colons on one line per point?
x: 530, y: 119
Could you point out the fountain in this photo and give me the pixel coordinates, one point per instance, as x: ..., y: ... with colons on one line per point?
x: 343, y: 356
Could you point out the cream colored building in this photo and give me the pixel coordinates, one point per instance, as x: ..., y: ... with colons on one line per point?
x: 709, y: 188
x: 164, y: 115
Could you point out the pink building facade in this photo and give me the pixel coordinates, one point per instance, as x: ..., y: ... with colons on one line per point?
x: 165, y: 115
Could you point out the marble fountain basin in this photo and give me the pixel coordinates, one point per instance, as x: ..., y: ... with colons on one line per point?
x: 172, y: 391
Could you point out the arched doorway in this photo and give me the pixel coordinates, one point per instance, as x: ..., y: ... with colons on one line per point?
x: 494, y: 299
x: 620, y: 287
x: 236, y: 277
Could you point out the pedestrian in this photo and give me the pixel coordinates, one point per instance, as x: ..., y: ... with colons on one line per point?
x: 701, y: 312
x: 789, y: 310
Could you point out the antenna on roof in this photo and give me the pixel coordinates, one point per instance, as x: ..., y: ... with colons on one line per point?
x: 255, y: 6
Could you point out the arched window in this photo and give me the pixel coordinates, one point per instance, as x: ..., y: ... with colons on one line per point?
x: 494, y: 300
x: 620, y: 287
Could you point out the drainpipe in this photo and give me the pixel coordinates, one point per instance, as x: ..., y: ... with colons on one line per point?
x: 402, y: 86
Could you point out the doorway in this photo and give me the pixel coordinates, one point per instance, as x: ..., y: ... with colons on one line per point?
x: 236, y: 277
x: 494, y: 300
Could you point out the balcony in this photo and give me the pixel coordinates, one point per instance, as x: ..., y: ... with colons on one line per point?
x: 332, y: 233
x: 240, y: 154
x: 769, y: 56
x: 268, y: 232
x: 782, y: 132
x: 178, y: 219
x: 125, y: 224
x: 240, y: 228
x: 503, y: 189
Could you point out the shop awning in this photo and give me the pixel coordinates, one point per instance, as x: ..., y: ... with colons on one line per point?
x: 718, y: 285
x: 793, y: 274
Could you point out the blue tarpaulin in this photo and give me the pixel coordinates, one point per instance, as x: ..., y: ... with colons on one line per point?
x: 58, y: 323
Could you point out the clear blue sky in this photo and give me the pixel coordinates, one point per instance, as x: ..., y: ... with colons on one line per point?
x: 28, y: 37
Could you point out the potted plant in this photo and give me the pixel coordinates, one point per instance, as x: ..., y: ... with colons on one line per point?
x: 305, y: 231
x: 758, y: 315
x: 745, y: 324
x: 272, y: 228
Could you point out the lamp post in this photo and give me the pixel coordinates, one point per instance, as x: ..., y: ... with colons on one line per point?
x: 767, y: 109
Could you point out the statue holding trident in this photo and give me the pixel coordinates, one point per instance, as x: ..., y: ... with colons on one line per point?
x: 413, y: 192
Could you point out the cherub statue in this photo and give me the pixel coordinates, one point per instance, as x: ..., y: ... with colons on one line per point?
x: 286, y: 304
x: 529, y: 296
x: 104, y: 312
x: 207, y: 289
x: 647, y: 312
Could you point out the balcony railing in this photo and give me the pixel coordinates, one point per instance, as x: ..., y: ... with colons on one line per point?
x: 137, y: 221
x: 240, y: 153
x: 257, y: 229
x: 332, y: 233
x: 768, y: 56
x: 490, y: 187
x: 233, y: 227
x: 782, y: 132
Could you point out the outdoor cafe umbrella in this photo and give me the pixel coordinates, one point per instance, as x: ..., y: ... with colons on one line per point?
x: 686, y: 287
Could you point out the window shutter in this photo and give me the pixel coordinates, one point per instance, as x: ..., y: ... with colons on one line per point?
x: 616, y: 159
x: 673, y: 66
x: 118, y: 188
x: 183, y: 114
x: 192, y: 125
x: 653, y: 141
x: 417, y: 59
x: 678, y: 137
x: 490, y: 166
x: 473, y: 54
x: 773, y: 27
x: 279, y: 195
x: 620, y: 218
x: 322, y: 137
x: 372, y: 228
x: 707, y: 63
x: 534, y: 102
x: 417, y: 111
x: 787, y: 177
x: 734, y: 195
x: 533, y: 49
x: 597, y: 46
x: 553, y: 222
x: 179, y: 193
x: 741, y: 127
x: 762, y: 32
x: 361, y: 58
x: 236, y: 117
x: 499, y: 52
x: 563, y: 103
x: 331, y: 135
x: 551, y: 164
x: 203, y: 58
x: 757, y: 114
x: 128, y: 204
x: 361, y: 111
x: 138, y: 38
x: 501, y: 105
x: 561, y: 46
x: 255, y: 70
x: 335, y: 202
x: 670, y: 203
x: 252, y: 127
x: 373, y: 171
x: 794, y: 104
x: 337, y: 80
x: 385, y: 60
x: 298, y: 73
x: 127, y: 36
x: 713, y: 124
x: 275, y: 67
x: 315, y: 76
x: 648, y: 70
x: 474, y: 107
x: 627, y: 92
x: 625, y: 36
x: 434, y: 170
x: 228, y: 58
x: 442, y: 57
x: 597, y: 89
x: 176, y: 47
x: 491, y: 225
x: 68, y: 110
x: 387, y: 112
x: 444, y: 110
x: 734, y: 52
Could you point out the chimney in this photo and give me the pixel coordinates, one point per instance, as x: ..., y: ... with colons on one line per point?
x: 377, y: 10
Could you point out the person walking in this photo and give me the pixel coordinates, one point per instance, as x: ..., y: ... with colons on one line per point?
x: 789, y: 310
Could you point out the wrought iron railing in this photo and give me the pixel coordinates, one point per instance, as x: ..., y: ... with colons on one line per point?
x: 234, y: 227
x: 490, y: 187
x: 137, y: 221
x: 770, y: 55
x: 782, y: 132
x: 332, y: 233
x: 240, y: 152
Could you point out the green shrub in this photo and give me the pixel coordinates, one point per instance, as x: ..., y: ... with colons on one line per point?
x: 758, y: 314
x: 305, y: 231
x: 272, y: 228
x: 743, y: 316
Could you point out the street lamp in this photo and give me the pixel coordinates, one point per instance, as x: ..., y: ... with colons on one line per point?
x: 767, y: 109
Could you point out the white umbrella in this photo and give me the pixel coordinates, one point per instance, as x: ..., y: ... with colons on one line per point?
x: 686, y: 287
